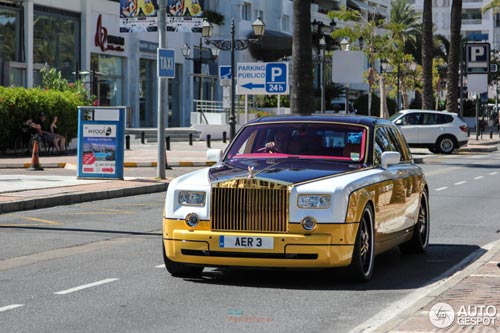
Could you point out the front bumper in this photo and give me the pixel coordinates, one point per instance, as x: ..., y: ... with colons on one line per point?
x: 330, y: 245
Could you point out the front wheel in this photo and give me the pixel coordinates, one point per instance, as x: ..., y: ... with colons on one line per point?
x: 363, y: 257
x: 420, y: 239
x: 446, y: 144
x: 178, y: 269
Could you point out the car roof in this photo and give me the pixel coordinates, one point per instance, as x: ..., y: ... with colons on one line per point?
x: 426, y: 111
x: 349, y: 118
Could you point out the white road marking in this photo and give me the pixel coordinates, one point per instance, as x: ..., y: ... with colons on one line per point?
x: 441, y: 188
x: 85, y: 286
x: 493, y: 173
x: 478, y: 177
x: 160, y: 266
x: 461, y: 183
x: 485, y: 275
x: 10, y: 307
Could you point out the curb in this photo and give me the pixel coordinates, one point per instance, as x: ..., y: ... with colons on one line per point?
x: 425, y: 295
x: 78, y: 197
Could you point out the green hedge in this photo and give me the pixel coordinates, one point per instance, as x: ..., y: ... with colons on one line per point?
x: 17, y: 103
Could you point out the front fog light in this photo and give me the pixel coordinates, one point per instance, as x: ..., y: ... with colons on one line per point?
x: 192, y: 220
x: 308, y: 223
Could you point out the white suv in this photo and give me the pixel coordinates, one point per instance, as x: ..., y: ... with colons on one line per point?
x: 440, y: 131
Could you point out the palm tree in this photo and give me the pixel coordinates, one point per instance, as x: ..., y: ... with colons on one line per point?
x: 427, y: 48
x: 302, y: 96
x: 454, y: 58
x: 491, y: 5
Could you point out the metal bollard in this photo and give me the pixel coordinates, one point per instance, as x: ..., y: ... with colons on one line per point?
x: 167, y: 142
x: 208, y: 140
x: 143, y: 137
x: 468, y: 132
x: 127, y: 142
x: 224, y: 136
x: 190, y: 139
x: 491, y: 134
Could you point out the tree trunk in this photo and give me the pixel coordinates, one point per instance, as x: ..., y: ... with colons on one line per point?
x: 384, y: 112
x: 427, y: 46
x: 454, y: 57
x: 302, y: 96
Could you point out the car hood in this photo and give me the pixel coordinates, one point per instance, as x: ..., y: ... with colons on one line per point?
x: 287, y: 171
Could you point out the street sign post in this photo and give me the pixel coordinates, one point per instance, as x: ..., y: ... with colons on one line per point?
x: 262, y: 78
x: 477, y: 60
x: 225, y: 75
x: 166, y: 63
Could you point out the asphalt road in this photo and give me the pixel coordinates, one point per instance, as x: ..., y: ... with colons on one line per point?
x: 97, y: 267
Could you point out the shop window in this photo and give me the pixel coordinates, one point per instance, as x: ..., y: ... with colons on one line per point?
x: 56, y: 40
x: 11, y: 38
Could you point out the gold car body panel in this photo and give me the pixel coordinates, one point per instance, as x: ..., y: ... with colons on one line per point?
x: 329, y: 245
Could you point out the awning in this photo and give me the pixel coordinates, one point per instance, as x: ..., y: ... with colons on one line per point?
x: 359, y: 5
x: 274, y: 45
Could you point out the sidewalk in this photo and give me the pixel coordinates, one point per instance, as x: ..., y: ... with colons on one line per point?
x: 476, y: 282
x: 33, y: 191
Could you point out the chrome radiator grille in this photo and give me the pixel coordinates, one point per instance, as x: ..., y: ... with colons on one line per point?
x: 249, y: 205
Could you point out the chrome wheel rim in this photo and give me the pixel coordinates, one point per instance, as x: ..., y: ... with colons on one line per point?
x: 447, y: 145
x: 365, y: 246
x: 422, y: 222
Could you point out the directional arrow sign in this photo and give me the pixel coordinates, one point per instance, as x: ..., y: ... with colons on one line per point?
x: 259, y: 78
x: 251, y: 85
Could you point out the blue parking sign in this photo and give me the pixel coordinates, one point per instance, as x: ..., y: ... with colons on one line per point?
x: 224, y: 72
x: 277, y: 78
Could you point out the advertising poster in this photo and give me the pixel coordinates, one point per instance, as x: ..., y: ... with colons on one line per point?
x: 138, y: 15
x: 99, y: 149
x: 185, y: 15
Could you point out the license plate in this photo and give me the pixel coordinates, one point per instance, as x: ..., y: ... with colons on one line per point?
x: 245, y: 242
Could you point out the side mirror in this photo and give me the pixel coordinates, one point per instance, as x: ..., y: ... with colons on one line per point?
x: 389, y: 158
x: 214, y: 155
x: 399, y: 122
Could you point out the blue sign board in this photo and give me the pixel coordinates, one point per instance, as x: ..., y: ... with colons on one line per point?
x: 477, y: 58
x: 166, y: 63
x: 100, y: 142
x: 224, y: 72
x: 276, y: 78
x: 261, y: 78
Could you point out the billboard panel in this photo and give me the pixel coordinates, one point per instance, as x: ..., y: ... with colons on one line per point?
x: 185, y: 15
x: 138, y: 15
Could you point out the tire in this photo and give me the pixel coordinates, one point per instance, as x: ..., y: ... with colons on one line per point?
x: 363, y: 257
x: 178, y: 269
x: 420, y: 239
x: 446, y: 144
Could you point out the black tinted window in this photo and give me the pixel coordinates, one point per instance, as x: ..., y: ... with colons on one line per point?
x: 444, y: 119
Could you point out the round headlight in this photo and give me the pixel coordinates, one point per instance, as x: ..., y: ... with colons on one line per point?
x: 192, y: 220
x: 308, y: 223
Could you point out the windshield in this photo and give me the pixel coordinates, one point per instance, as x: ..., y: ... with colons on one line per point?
x: 336, y: 141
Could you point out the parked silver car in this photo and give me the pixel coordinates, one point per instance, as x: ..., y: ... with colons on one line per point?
x: 439, y: 131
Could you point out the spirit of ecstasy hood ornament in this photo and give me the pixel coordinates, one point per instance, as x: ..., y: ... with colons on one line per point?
x: 251, y: 174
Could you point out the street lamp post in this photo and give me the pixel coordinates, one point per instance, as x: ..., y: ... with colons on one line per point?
x: 234, y: 44
x: 345, y: 46
x: 322, y: 44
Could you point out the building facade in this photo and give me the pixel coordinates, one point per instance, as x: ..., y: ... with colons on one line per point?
x: 82, y: 39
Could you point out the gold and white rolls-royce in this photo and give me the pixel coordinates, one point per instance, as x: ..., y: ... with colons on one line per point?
x: 294, y: 191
